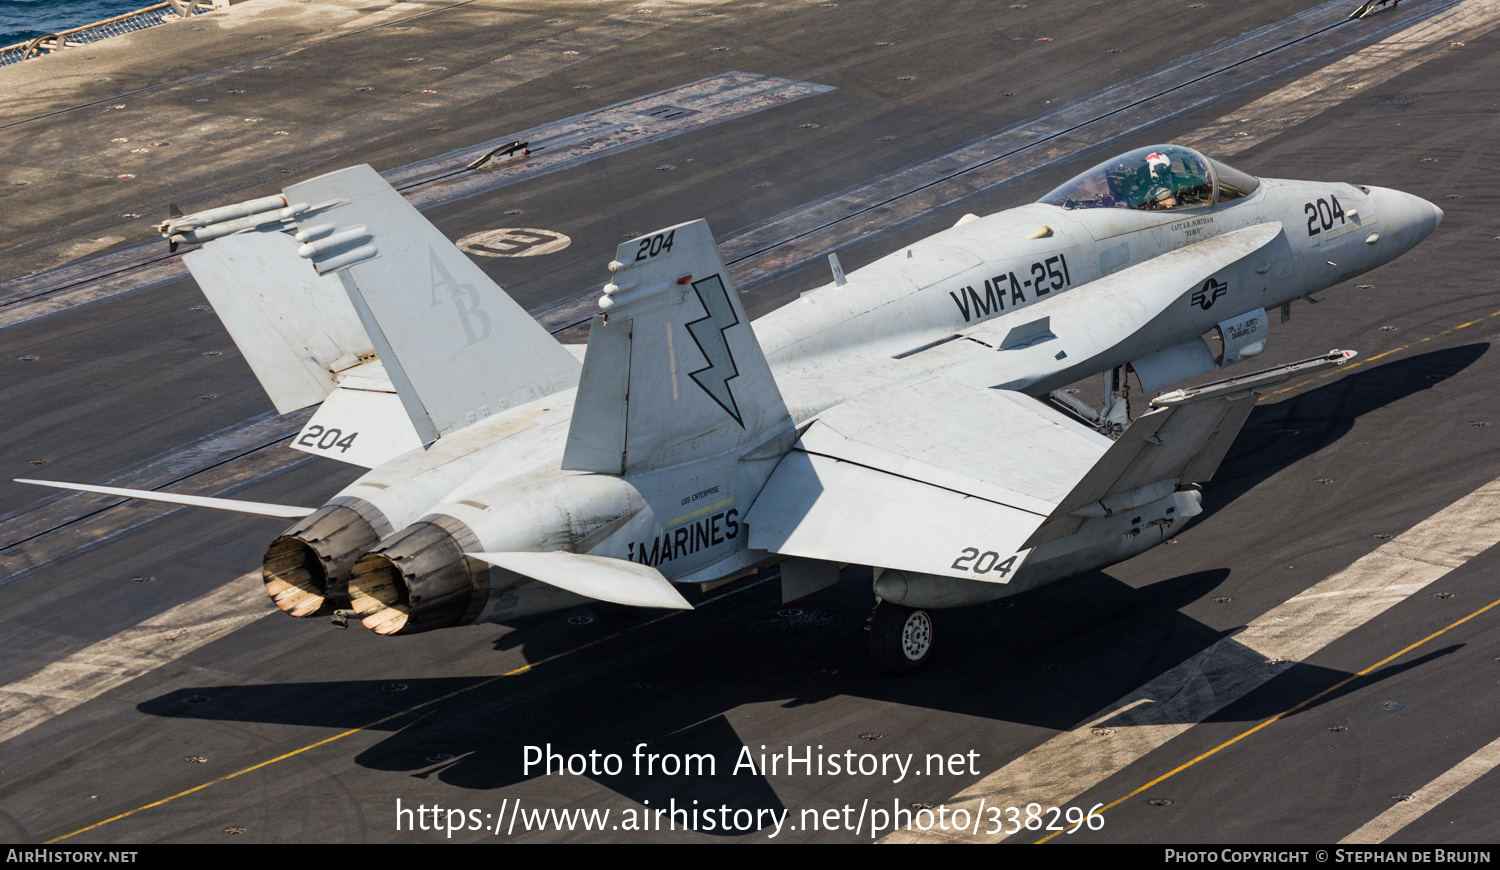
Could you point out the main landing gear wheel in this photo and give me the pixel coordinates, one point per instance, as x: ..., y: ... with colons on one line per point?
x: 900, y: 638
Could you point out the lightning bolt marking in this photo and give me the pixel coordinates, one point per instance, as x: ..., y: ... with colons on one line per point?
x: 708, y: 333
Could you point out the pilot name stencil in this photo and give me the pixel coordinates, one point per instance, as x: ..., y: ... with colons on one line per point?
x: 1182, y: 225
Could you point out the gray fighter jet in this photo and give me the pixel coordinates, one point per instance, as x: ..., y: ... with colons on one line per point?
x: 907, y: 416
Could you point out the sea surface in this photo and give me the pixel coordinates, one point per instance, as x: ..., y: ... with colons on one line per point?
x: 21, y: 20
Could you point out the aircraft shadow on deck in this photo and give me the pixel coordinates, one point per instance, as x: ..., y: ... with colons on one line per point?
x: 1040, y: 662
x: 1281, y: 433
x: 695, y: 683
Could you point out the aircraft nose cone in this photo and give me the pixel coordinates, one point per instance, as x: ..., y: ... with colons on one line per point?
x: 1423, y: 214
x: 1405, y: 219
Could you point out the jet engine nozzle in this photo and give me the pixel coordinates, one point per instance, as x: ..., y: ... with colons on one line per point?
x: 306, y: 570
x: 420, y: 579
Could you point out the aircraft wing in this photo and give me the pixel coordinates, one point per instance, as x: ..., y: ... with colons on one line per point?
x: 1158, y: 451
x: 934, y: 477
x: 912, y: 478
x: 1180, y: 440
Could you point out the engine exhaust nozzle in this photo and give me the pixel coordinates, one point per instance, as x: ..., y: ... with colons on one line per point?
x: 420, y: 579
x: 306, y: 570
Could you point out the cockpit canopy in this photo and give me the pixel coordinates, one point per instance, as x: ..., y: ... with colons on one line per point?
x: 1158, y: 178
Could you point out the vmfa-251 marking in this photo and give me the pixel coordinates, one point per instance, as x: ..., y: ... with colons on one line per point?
x: 907, y: 415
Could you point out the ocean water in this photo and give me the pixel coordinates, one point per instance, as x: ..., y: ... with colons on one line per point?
x: 21, y: 20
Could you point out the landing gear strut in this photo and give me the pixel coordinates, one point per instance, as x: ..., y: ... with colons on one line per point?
x: 1116, y: 411
x: 1110, y: 420
x: 900, y: 638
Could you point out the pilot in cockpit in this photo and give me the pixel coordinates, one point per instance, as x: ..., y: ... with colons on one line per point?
x: 1124, y: 185
x: 1161, y: 190
x: 1157, y: 178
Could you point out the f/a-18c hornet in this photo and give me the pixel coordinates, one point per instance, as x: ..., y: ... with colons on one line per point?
x: 907, y: 416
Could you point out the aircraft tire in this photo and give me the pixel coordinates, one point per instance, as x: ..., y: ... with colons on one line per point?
x: 900, y: 638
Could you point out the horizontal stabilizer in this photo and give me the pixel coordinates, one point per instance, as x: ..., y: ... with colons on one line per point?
x: 362, y: 422
x: 260, y: 509
x: 597, y: 577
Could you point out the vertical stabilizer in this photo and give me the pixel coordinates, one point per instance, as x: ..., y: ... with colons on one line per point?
x: 456, y: 347
x: 673, y: 371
